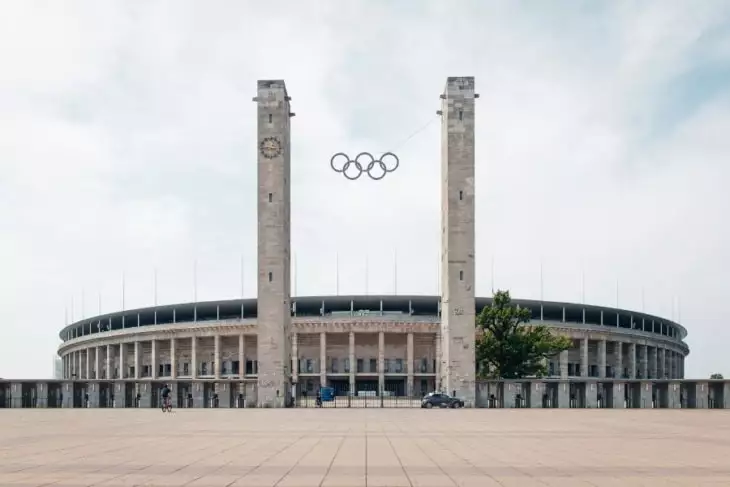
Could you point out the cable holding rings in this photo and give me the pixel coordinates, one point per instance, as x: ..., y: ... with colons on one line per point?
x: 364, y: 163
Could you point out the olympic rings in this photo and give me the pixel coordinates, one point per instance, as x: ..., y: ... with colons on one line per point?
x: 352, y: 169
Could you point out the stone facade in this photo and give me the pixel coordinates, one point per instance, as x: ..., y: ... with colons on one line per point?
x: 274, y: 244
x: 457, y: 238
x: 236, y: 393
x: 325, y: 349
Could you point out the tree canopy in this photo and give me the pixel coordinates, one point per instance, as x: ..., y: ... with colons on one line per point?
x: 509, y: 347
x: 716, y: 376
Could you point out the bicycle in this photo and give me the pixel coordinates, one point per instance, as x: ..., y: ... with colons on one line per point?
x: 166, y: 405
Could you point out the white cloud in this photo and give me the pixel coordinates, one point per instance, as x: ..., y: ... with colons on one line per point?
x: 127, y: 144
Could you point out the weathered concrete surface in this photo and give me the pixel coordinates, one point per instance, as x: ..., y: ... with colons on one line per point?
x: 274, y: 243
x: 457, y: 239
x: 263, y: 447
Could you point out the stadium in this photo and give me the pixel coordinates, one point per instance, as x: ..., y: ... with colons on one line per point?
x: 365, y: 351
x: 360, y: 346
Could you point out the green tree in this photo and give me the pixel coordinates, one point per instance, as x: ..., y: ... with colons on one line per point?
x: 509, y: 347
x: 716, y: 376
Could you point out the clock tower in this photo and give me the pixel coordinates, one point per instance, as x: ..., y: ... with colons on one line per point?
x: 274, y: 244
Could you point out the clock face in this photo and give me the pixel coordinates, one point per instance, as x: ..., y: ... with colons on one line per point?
x: 270, y: 147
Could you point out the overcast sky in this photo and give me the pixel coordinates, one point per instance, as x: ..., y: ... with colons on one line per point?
x: 127, y: 143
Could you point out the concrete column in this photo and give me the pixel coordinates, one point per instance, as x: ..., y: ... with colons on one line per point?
x: 122, y: 357
x: 194, y: 357
x: 409, y: 365
x: 601, y: 358
x: 632, y: 361
x: 668, y: 363
x: 109, y: 363
x: 644, y: 361
x: 662, y: 372
x: 97, y: 364
x: 153, y: 358
x: 88, y: 363
x: 295, y: 357
x: 564, y: 364
x: 353, y: 363
x: 274, y: 242
x: 672, y: 364
x: 584, y: 357
x: 242, y: 355
x: 458, y: 243
x: 618, y: 360
x: 439, y: 385
x: 323, y: 359
x: 217, y: 356
x: 173, y: 358
x: 680, y: 359
x: 681, y: 368
x: 654, y: 364
x: 78, y: 364
x: 137, y: 372
x: 381, y: 362
x: 679, y: 365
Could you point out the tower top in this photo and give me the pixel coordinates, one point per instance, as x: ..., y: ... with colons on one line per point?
x: 459, y: 83
x: 272, y: 84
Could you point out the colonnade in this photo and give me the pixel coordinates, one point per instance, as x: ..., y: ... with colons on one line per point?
x: 629, y: 360
x: 642, y: 361
x: 87, y: 363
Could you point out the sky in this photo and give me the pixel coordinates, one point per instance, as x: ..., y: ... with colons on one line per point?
x: 128, y: 144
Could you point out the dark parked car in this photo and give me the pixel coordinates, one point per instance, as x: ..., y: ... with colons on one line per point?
x: 440, y: 400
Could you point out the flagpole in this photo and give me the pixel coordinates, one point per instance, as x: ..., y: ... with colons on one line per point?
x: 242, y: 285
x: 583, y: 286
x: 438, y: 275
x: 99, y: 303
x: 195, y: 280
x: 395, y: 272
x: 155, y: 286
x: 679, y: 310
x: 643, y: 308
x: 366, y: 274
x: 541, y: 282
x: 123, y: 290
x: 296, y: 275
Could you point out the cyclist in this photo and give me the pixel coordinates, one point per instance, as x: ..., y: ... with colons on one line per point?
x: 165, y: 397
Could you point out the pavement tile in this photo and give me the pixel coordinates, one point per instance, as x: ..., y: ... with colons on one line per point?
x: 355, y: 447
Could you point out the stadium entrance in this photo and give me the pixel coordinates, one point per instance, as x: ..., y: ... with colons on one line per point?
x: 337, y: 394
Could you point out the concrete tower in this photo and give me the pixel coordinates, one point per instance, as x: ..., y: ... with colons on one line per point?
x: 274, y: 244
x: 457, y: 238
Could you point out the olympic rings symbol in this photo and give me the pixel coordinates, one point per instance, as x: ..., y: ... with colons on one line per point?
x: 364, y: 162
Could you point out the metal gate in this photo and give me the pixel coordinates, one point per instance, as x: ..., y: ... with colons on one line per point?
x: 366, y: 394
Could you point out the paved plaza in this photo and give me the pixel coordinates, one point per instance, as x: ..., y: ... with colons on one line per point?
x: 356, y: 447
